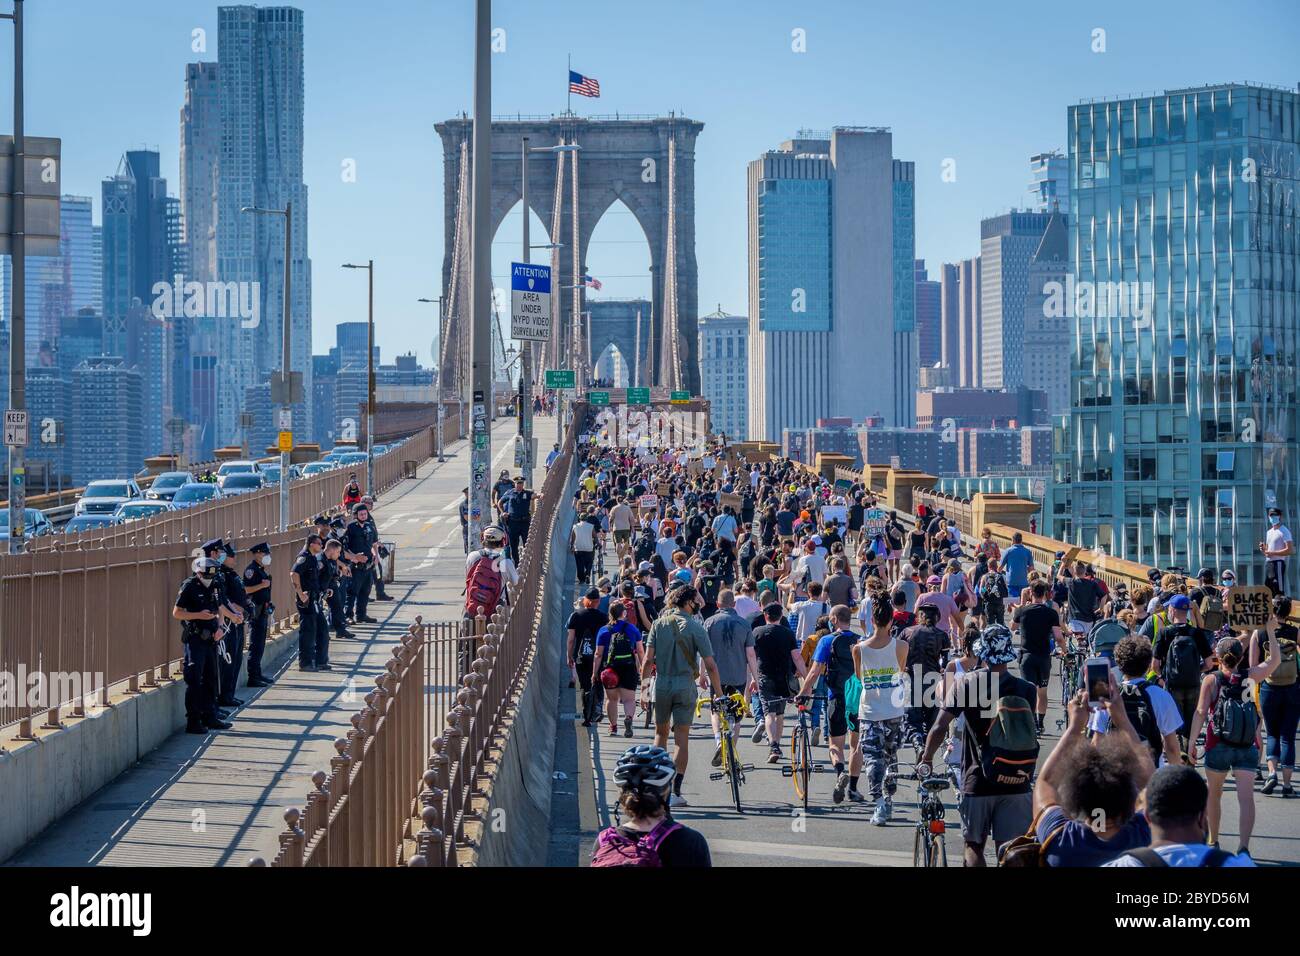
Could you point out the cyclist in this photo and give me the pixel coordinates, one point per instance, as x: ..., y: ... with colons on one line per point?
x: 676, y: 647
x: 650, y: 836
x: 733, y: 643
x: 880, y: 664
x: 779, y: 661
x: 834, y: 658
x: 987, y: 697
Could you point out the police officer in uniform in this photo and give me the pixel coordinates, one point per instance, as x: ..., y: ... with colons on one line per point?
x: 232, y: 586
x: 334, y: 583
x: 313, y: 635
x: 517, y: 509
x: 376, y: 568
x: 257, y: 585
x: 215, y: 551
x: 198, y: 608
x: 358, y: 544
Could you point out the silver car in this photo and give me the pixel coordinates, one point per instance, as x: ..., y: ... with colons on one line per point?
x: 104, y: 496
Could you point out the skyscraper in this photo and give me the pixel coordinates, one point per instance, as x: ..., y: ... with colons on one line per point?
x: 260, y: 83
x: 929, y: 334
x: 1046, y: 361
x: 823, y: 210
x: 1183, y: 412
x: 1007, y: 243
x: 724, y: 356
x: 903, y: 293
x: 107, y: 399
x: 1049, y: 182
x: 200, y: 155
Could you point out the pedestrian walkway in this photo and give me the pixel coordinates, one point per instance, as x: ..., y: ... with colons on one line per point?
x: 220, y: 799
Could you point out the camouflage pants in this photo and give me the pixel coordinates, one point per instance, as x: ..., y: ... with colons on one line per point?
x: 880, y: 742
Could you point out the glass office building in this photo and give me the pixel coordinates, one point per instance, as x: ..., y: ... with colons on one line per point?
x: 1184, y: 259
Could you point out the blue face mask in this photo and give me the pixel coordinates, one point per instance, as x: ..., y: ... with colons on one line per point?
x: 1274, y: 520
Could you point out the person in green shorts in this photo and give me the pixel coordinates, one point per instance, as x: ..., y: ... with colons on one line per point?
x: 675, y: 646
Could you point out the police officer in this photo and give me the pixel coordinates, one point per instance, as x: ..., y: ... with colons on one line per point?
x: 517, y: 509
x: 214, y: 550
x: 334, y: 583
x: 198, y: 608
x: 257, y: 585
x: 358, y: 551
x: 232, y: 587
x: 313, y: 636
x: 379, y: 551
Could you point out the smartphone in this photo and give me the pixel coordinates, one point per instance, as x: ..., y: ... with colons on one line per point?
x: 1096, y: 672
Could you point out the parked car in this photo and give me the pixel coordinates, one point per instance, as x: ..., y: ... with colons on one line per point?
x: 102, y: 497
x: 197, y: 492
x: 241, y: 483
x: 236, y: 468
x: 316, y: 467
x: 87, y: 522
x: 35, y: 524
x: 134, y: 510
x: 166, y: 485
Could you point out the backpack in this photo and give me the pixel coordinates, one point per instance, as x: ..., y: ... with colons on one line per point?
x: 1182, y: 668
x: 840, y: 667
x: 1149, y: 857
x: 483, y: 586
x: 1212, y: 615
x: 620, y: 644
x: 1106, y: 633
x: 993, y: 587
x: 645, y: 545
x: 1142, y: 715
x: 615, y: 849
x: 1286, y: 672
x: 1025, y: 850
x: 1009, y: 756
x: 1235, y: 718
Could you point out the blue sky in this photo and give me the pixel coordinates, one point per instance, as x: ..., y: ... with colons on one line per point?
x: 985, y: 84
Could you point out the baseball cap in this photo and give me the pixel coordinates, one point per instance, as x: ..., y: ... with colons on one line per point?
x: 933, y: 580
x: 645, y: 566
x: 1179, y: 601
x: 1205, y: 574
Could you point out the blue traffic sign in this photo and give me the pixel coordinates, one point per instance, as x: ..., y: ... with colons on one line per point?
x: 526, y: 277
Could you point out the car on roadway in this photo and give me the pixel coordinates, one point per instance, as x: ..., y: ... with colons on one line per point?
x: 236, y: 468
x: 88, y: 523
x: 135, y: 510
x: 167, y: 484
x: 241, y: 483
x: 35, y: 524
x: 380, y: 449
x: 352, y: 458
x: 271, y: 474
x: 195, y: 493
x: 316, y: 468
x: 103, y: 496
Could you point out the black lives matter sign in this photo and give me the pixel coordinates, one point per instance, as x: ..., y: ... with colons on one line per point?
x: 1248, y: 607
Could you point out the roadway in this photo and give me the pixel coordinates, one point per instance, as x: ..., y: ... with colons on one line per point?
x: 220, y: 799
x: 771, y: 833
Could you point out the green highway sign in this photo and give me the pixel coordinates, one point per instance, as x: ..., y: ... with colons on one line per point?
x: 561, y: 378
x: 680, y: 398
x: 638, y: 396
x: 598, y: 398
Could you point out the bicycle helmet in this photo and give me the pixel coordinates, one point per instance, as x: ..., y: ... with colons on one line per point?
x: 644, y: 766
x: 994, y: 645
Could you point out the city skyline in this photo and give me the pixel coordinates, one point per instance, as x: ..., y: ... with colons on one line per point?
x: 1142, y: 51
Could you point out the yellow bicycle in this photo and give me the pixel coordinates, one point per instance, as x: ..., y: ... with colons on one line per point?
x: 730, y: 710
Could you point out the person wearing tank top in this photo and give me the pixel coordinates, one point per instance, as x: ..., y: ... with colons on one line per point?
x: 880, y: 662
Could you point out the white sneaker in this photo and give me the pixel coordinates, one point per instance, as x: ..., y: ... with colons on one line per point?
x: 677, y: 800
x: 884, y: 809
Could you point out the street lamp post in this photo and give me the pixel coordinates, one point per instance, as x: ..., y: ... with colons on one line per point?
x: 18, y: 298
x: 285, y: 362
x: 480, y: 293
x: 441, y: 394
x: 370, y: 374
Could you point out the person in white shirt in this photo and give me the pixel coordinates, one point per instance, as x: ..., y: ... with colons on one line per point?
x: 806, y: 612
x: 1277, y: 547
x: 746, y: 606
x: 724, y: 525
x: 811, y: 564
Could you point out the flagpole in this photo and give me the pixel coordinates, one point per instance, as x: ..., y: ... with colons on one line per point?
x: 568, y: 85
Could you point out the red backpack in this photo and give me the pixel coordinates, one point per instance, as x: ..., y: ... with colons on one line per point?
x: 615, y: 849
x: 483, y: 586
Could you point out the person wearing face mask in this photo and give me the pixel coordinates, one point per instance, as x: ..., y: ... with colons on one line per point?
x: 198, y: 608
x: 232, y: 584
x: 313, y: 635
x: 257, y: 585
x: 1277, y: 547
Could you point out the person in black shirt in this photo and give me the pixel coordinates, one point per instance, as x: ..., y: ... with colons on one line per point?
x: 257, y: 585
x: 1085, y: 596
x: 645, y: 775
x: 582, y: 627
x: 1040, y: 628
x: 198, y: 608
x: 777, y: 653
x: 987, y: 807
x: 358, y: 544
x: 232, y: 586
x: 926, y: 645
x: 313, y: 635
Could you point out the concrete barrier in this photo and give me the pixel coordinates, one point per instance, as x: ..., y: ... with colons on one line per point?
x: 43, y: 779
x: 517, y: 830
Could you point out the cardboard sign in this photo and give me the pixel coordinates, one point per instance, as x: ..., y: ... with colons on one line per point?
x: 648, y: 502
x: 1248, y: 607
x: 874, y: 521
x: 664, y: 489
x: 837, y: 515
x: 729, y: 499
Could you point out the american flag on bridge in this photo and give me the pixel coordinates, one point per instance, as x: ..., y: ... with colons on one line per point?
x: 583, y: 85
x: 591, y: 281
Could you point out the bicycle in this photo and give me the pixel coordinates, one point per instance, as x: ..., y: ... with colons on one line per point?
x: 927, y: 848
x: 730, y: 709
x: 1071, y: 672
x: 801, y: 762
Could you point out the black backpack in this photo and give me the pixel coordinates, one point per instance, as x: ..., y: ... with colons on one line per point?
x: 1182, y: 666
x: 1235, y: 719
x: 645, y: 545
x: 1149, y: 857
x: 1137, y: 704
x: 840, y: 667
